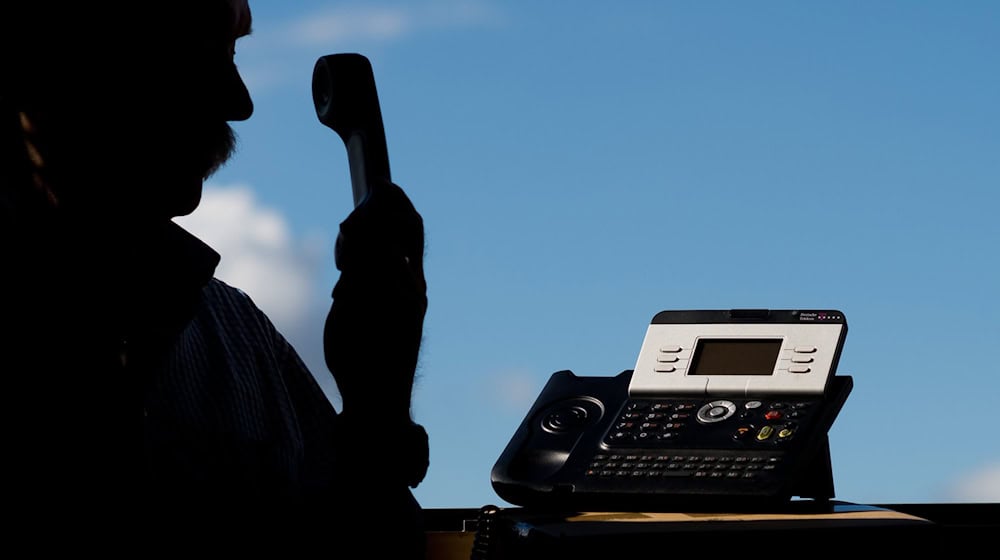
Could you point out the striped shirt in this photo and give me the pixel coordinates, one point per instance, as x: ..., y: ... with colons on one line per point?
x: 234, y: 423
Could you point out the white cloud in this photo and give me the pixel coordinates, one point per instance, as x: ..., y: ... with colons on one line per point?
x: 347, y: 23
x: 259, y: 254
x: 982, y: 485
x: 384, y: 21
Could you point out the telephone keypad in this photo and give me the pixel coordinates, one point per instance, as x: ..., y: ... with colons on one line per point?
x: 719, y: 423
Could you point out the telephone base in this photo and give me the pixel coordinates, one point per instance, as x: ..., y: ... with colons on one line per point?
x: 578, y: 450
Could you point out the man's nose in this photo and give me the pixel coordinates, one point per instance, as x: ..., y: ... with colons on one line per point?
x: 238, y: 103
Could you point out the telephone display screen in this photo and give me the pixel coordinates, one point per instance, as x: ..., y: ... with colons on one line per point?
x: 725, y: 356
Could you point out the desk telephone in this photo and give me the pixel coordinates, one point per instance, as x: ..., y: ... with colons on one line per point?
x: 723, y: 409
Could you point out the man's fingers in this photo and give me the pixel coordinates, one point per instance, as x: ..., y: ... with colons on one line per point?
x: 385, y: 227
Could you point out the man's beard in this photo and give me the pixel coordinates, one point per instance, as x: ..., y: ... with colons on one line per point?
x: 219, y: 147
x: 211, y: 148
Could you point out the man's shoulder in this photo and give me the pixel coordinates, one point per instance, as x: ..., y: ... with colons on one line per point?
x: 232, y: 306
x: 217, y: 291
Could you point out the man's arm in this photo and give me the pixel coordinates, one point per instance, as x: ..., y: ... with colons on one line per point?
x: 373, y: 332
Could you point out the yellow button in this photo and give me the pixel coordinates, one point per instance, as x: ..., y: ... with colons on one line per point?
x: 764, y: 433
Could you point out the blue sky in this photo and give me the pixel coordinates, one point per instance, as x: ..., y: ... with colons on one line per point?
x: 583, y: 165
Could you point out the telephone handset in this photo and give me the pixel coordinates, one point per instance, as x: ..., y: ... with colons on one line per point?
x: 723, y: 409
x: 346, y: 100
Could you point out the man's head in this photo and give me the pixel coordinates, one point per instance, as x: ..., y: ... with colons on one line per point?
x: 125, y: 110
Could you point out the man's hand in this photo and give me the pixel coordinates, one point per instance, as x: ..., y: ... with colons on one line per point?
x: 374, y: 328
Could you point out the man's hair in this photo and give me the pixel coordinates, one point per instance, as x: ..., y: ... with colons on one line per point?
x: 51, y: 48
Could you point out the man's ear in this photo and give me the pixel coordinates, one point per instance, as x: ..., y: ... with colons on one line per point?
x: 18, y: 196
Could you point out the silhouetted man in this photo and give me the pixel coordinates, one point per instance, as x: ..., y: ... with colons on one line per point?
x: 113, y: 116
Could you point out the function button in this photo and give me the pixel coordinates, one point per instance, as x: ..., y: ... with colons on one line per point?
x: 679, y: 474
x: 717, y: 411
x: 664, y: 368
x: 750, y: 405
x: 667, y: 358
x: 805, y: 349
x: 742, y: 432
x: 786, y: 432
x: 773, y: 415
x: 620, y: 436
x: 802, y: 359
x: 777, y: 405
x: 670, y: 349
x: 765, y: 433
x: 799, y: 369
